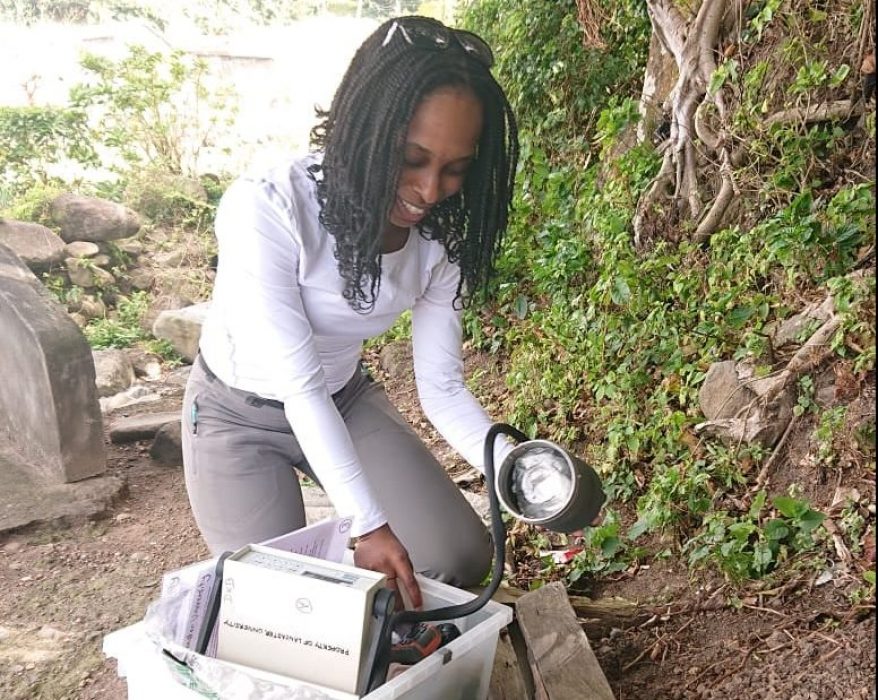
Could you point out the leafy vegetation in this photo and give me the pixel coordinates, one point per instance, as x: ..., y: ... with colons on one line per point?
x: 154, y: 109
x: 607, y: 345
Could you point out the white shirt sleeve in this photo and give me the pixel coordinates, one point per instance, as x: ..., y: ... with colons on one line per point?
x: 262, y: 306
x: 436, y: 346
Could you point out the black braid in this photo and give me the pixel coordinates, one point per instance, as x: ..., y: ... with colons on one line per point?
x: 362, y: 136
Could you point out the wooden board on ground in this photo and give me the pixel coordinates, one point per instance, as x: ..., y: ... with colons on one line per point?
x: 506, y: 679
x: 563, y: 662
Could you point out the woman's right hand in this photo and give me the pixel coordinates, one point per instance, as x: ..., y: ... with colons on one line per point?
x: 381, y: 551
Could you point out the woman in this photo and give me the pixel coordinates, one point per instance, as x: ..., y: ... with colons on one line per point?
x: 403, y: 207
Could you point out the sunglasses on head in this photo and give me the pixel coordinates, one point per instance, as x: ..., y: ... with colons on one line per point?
x: 425, y: 33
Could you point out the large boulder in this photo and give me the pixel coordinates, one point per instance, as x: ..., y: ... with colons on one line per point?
x: 92, y: 219
x: 182, y: 328
x: 48, y: 401
x: 38, y: 247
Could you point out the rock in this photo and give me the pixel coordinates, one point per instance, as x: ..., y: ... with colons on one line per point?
x: 396, y: 359
x: 142, y: 427
x: 136, y: 394
x: 130, y: 246
x: 146, y: 365
x: 38, y: 247
x: 101, y: 260
x: 723, y: 394
x: 48, y: 399
x: 82, y: 249
x: 91, y: 307
x: 92, y: 219
x: 79, y: 319
x: 113, y: 371
x: 141, y: 279
x: 80, y: 272
x: 172, y: 258
x: 102, y: 277
x: 167, y: 446
x: 162, y: 302
x: 182, y: 328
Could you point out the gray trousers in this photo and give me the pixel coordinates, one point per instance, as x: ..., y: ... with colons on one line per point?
x: 239, y: 455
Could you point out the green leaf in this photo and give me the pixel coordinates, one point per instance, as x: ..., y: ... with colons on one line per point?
x: 809, y: 520
x: 789, y: 507
x: 869, y: 576
x: 521, y: 307
x: 621, y: 292
x: 637, y: 529
x: 739, y: 316
x: 776, y: 530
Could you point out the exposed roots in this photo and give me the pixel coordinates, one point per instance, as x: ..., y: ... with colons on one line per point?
x: 694, y: 46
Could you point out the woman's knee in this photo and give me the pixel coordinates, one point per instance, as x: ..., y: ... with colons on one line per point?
x: 462, y: 561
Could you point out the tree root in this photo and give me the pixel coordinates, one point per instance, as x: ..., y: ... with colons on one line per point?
x: 832, y: 111
x: 693, y: 46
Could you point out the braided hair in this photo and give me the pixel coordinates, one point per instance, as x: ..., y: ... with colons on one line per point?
x: 362, y: 137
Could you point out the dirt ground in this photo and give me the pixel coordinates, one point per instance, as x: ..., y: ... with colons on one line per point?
x: 65, y: 586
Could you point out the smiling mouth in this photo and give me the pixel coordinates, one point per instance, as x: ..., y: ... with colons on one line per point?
x: 411, y: 209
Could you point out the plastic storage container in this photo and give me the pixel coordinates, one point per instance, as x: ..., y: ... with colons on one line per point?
x: 459, y: 671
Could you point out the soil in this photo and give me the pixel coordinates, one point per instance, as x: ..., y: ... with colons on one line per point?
x: 66, y: 585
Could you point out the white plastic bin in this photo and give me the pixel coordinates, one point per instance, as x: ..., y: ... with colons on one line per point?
x: 459, y: 671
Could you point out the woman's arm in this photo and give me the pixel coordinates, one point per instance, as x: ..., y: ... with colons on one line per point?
x: 436, y: 343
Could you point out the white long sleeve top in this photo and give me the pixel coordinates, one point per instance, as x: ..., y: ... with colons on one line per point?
x: 279, y: 327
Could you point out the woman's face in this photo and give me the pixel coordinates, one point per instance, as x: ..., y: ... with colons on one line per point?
x: 439, y: 146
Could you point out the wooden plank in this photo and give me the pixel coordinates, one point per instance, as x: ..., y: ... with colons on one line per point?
x: 562, y: 657
x: 506, y: 679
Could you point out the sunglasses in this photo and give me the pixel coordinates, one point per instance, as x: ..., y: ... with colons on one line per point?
x: 425, y: 33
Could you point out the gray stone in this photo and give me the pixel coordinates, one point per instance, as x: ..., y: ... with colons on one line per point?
x: 396, y: 359
x: 317, y: 505
x: 480, y: 504
x: 38, y: 247
x: 172, y: 258
x: 167, y: 446
x: 103, y: 278
x: 91, y: 307
x: 131, y: 246
x: 92, y: 219
x: 182, y: 328
x: 101, y: 260
x: 141, y: 279
x: 27, y: 498
x: 142, y: 427
x: 113, y: 371
x: 723, y: 393
x: 48, y: 399
x: 82, y: 249
x: 136, y: 394
x: 80, y: 272
x: 159, y: 303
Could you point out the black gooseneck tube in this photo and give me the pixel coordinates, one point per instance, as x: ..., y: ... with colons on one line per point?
x: 498, y: 533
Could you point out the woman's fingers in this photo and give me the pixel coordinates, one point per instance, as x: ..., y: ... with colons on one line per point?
x: 380, y: 550
x: 406, y: 579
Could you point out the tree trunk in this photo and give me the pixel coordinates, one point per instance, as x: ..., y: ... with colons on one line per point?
x: 693, y: 44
